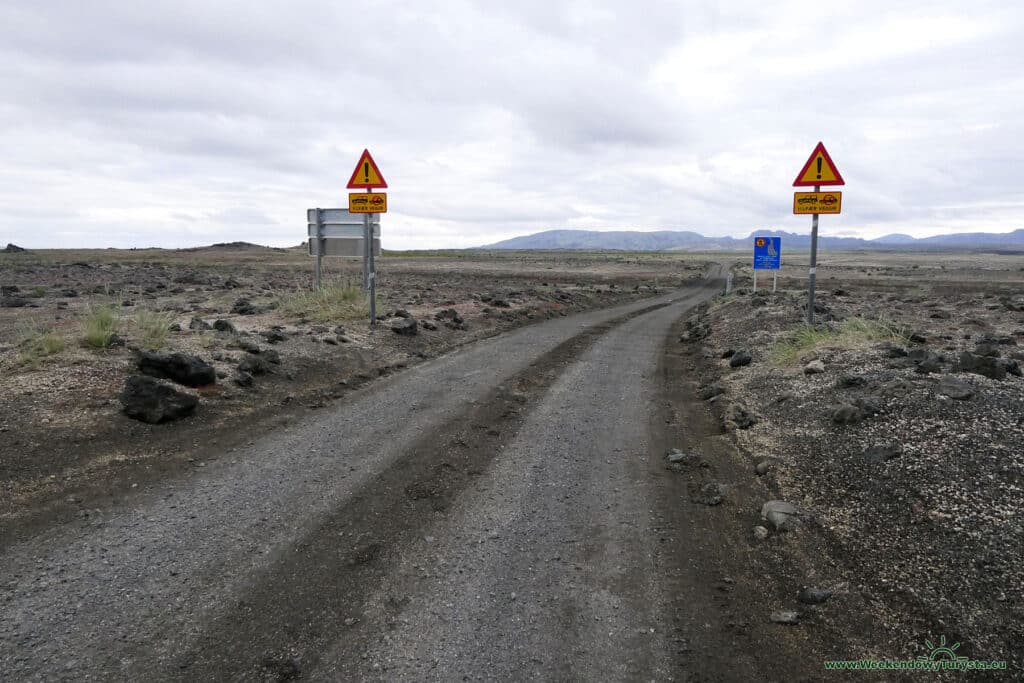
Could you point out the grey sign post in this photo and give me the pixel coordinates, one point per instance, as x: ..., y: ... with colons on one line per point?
x: 336, y: 232
x: 813, y: 272
x: 319, y: 237
x: 371, y: 267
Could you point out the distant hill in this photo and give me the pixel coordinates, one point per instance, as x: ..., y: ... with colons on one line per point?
x: 666, y: 240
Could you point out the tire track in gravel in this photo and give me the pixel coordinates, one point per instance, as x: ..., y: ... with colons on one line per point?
x: 136, y: 592
x: 321, y: 590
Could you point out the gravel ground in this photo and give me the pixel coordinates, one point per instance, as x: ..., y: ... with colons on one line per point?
x: 919, y: 501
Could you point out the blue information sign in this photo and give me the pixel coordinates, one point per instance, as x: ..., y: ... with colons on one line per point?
x: 767, y: 253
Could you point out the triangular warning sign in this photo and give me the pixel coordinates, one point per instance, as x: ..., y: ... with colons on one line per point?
x: 819, y: 170
x: 366, y: 175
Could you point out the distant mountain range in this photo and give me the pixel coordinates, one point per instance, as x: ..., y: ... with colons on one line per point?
x: 665, y: 240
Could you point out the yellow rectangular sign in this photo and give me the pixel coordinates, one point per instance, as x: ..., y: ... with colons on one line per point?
x: 368, y: 202
x: 817, y: 202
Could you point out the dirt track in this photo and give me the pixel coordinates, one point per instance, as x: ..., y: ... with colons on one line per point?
x: 500, y: 512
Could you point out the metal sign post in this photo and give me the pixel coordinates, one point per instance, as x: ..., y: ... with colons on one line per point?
x: 767, y: 255
x: 813, y: 273
x: 373, y: 282
x: 819, y: 170
x: 319, y: 247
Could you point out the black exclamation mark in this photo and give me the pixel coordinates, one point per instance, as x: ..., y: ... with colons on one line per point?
x: 819, y: 168
x: 366, y: 170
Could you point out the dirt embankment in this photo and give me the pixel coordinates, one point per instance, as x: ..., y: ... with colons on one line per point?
x: 278, y: 352
x: 895, y: 428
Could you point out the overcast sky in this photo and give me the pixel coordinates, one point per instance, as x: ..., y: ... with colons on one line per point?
x: 184, y: 122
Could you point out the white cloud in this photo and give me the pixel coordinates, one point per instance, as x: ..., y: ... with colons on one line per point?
x: 177, y: 123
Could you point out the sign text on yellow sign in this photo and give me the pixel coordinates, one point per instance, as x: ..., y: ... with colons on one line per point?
x: 368, y: 202
x: 817, y: 202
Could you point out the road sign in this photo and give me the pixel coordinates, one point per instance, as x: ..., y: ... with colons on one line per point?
x: 336, y: 217
x: 368, y: 202
x: 819, y: 170
x: 343, y: 247
x: 817, y: 202
x: 366, y: 174
x: 767, y: 253
x: 339, y: 231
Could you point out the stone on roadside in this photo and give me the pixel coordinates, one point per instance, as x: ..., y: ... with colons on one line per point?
x: 711, y: 391
x: 782, y: 516
x: 762, y: 467
x: 813, y: 596
x: 199, y: 324
x: 224, y: 326
x: 740, y: 359
x: 815, y: 367
x: 954, y: 388
x: 243, y: 307
x: 147, y: 400
x: 846, y: 414
x: 738, y: 416
x: 788, y: 617
x: 243, y: 379
x: 405, y: 327
x: 761, y: 533
x: 255, y: 365
x: 190, y: 371
x: 710, y: 494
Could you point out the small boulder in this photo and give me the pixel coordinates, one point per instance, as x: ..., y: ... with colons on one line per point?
x: 273, y: 336
x: 782, y: 516
x: 224, y: 326
x: 761, y: 533
x: 244, y: 307
x: 762, y: 467
x: 955, y: 388
x: 851, y: 381
x: 402, y: 313
x: 813, y: 596
x: 739, y: 416
x: 199, y: 324
x: 787, y: 617
x: 711, y: 391
x: 847, y: 414
x: 815, y: 367
x: 147, y: 400
x: 190, y: 371
x: 405, y: 326
x: 986, y: 366
x: 710, y: 494
x: 928, y: 366
x: 243, y: 379
x: 255, y: 365
x: 740, y: 359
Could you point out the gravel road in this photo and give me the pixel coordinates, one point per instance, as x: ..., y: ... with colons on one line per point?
x: 487, y: 514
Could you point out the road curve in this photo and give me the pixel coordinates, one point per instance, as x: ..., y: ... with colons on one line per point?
x: 477, y: 515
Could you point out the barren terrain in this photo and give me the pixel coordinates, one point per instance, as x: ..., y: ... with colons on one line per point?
x: 65, y: 441
x: 555, y: 466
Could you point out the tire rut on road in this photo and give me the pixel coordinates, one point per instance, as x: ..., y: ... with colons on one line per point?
x: 547, y: 566
x: 323, y: 583
x: 134, y: 591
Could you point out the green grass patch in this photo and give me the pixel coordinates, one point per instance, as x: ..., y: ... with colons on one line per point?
x: 333, y: 302
x: 99, y: 325
x: 849, y: 334
x: 153, y: 328
x: 37, y: 343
